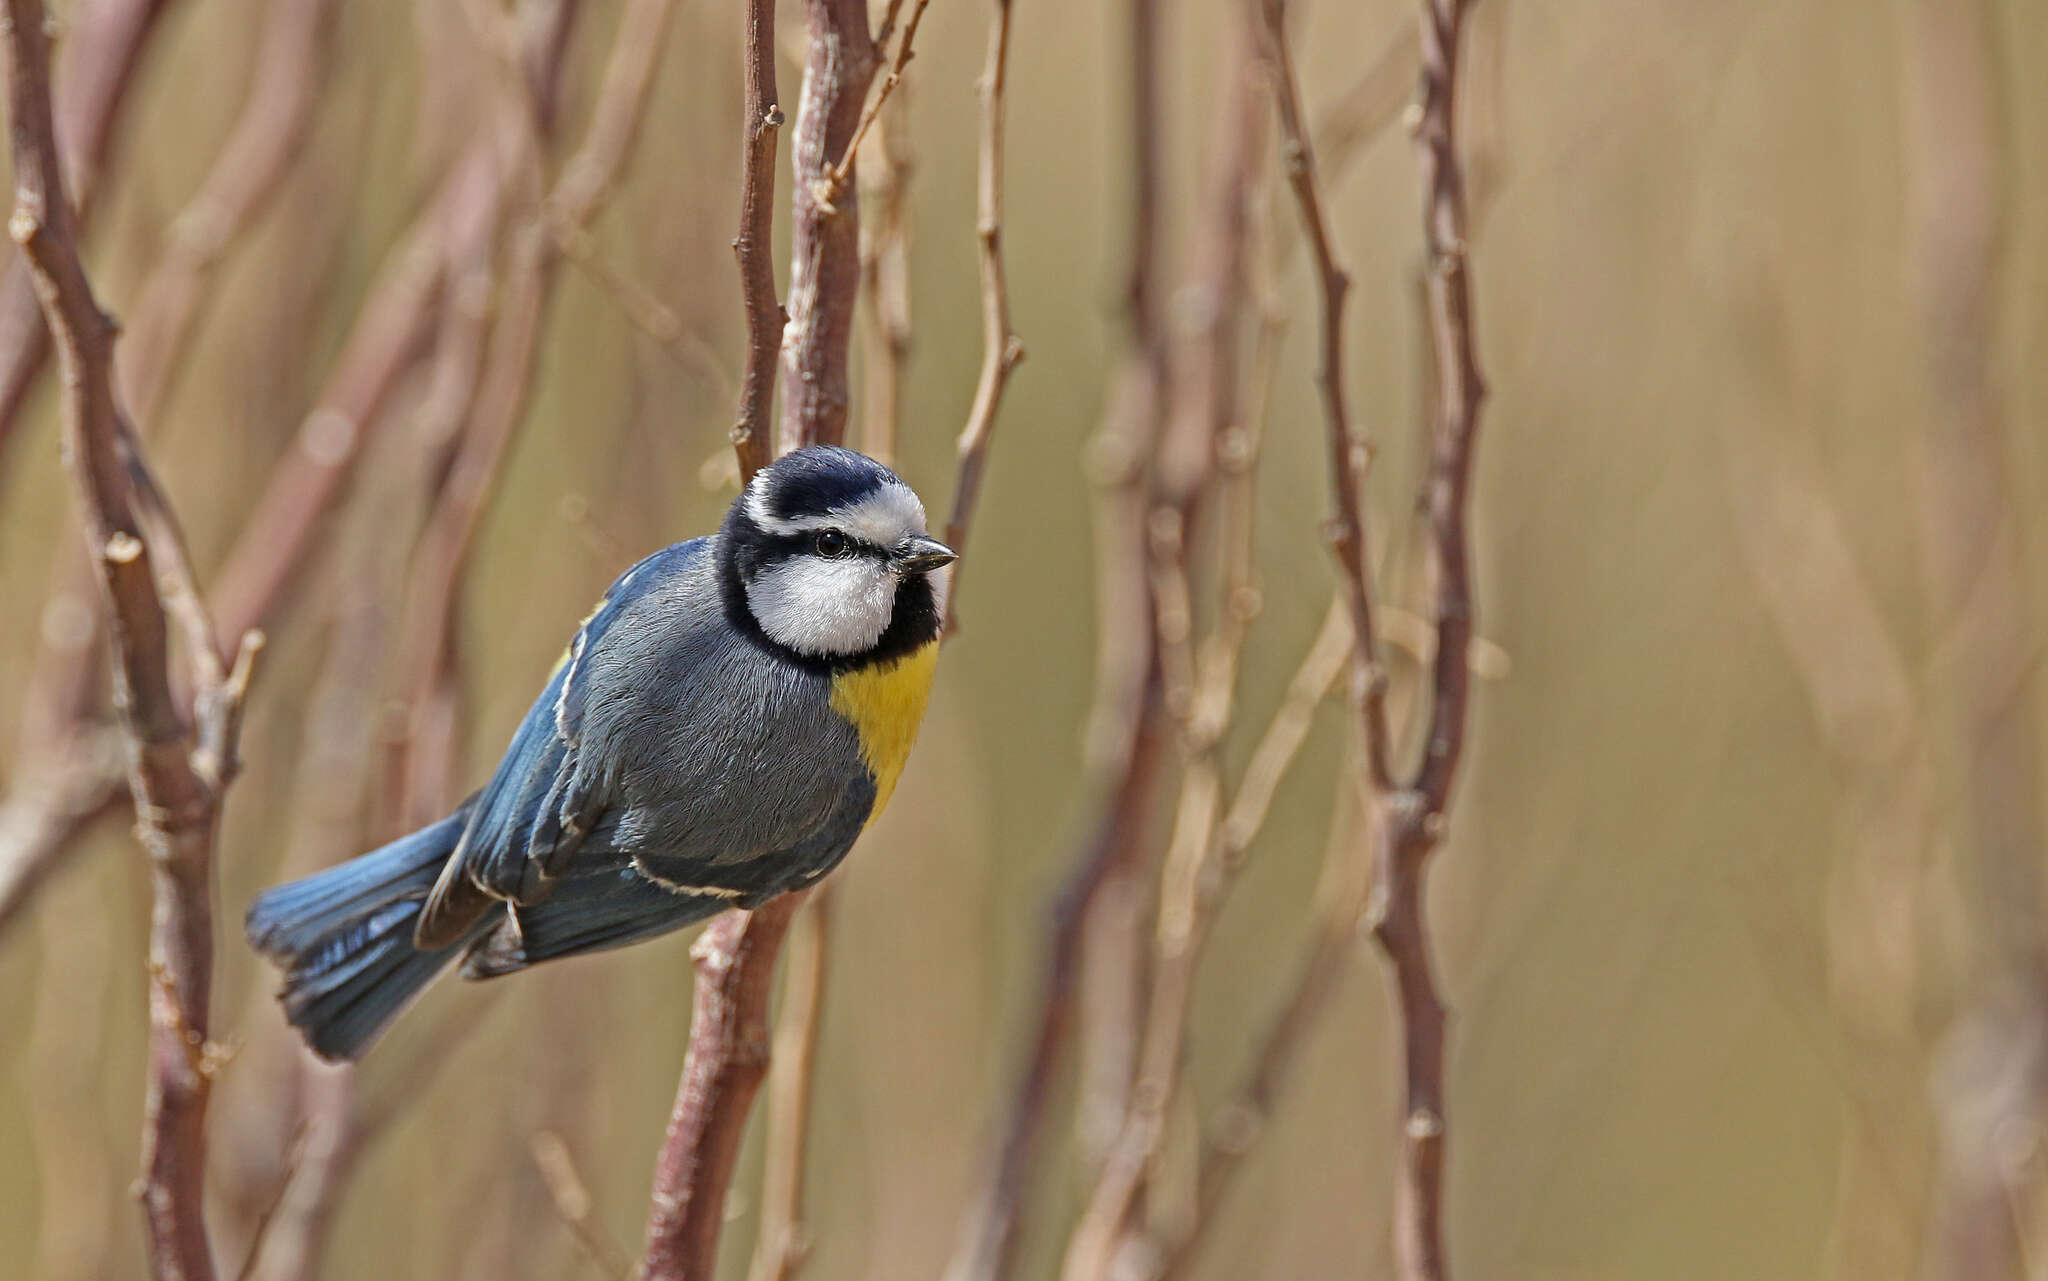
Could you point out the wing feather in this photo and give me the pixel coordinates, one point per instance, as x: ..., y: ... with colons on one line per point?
x: 666, y: 743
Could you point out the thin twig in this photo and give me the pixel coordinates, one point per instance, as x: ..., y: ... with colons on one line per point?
x: 177, y: 775
x: 1349, y: 453
x: 1198, y: 688
x: 728, y: 1056
x: 824, y: 253
x: 835, y: 178
x: 1128, y: 732
x: 1001, y: 349
x: 761, y: 120
x: 783, y: 1244
x: 1407, y: 816
x: 97, y: 71
x: 1241, y: 1119
x: 1410, y: 823
x: 885, y: 281
x: 1126, y: 735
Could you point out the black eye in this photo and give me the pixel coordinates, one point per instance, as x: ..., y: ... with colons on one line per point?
x: 832, y: 544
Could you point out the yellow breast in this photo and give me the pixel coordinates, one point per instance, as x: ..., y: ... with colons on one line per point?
x: 885, y: 705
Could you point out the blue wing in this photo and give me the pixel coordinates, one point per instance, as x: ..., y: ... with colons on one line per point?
x: 670, y: 768
x: 538, y: 808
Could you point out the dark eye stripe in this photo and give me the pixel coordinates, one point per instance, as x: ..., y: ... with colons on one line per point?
x: 777, y: 547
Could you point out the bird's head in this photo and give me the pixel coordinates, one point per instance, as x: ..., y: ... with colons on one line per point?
x: 826, y: 551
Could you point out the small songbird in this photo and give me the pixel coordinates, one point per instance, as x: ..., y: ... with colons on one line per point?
x: 721, y: 728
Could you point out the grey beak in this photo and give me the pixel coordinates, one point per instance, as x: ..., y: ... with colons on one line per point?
x: 922, y: 553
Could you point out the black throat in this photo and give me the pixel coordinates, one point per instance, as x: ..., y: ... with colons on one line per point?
x: 742, y: 548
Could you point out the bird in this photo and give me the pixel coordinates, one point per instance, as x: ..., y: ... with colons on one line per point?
x: 720, y: 730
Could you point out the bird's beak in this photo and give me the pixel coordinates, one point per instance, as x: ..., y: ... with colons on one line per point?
x: 923, y: 553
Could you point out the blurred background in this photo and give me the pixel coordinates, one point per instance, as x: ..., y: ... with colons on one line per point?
x: 1739, y: 913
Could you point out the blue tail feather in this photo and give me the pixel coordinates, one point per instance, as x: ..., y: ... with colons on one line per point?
x: 345, y: 939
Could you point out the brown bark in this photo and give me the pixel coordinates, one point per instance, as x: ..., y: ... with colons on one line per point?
x: 176, y: 773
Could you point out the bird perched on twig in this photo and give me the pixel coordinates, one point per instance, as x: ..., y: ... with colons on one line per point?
x: 721, y: 728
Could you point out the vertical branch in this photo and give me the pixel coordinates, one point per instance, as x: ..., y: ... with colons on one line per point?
x: 177, y: 775
x: 1407, y: 813
x: 1349, y: 452
x: 761, y: 118
x: 824, y: 267
x: 1125, y: 737
x: 99, y: 60
x: 73, y: 777
x: 1001, y: 349
x: 728, y: 1055
x: 782, y: 1246
x: 885, y: 282
x: 1411, y: 821
x: 1199, y: 688
x: 735, y: 956
x: 1461, y: 392
x: 1127, y: 733
x: 40, y: 819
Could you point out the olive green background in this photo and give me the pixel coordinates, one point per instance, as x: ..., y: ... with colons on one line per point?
x: 1693, y: 268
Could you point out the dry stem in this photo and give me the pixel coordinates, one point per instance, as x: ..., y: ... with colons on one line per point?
x: 1092, y: 912
x: 761, y: 118
x: 176, y: 774
x: 97, y: 71
x: 728, y: 1051
x: 824, y: 268
x: 1203, y: 424
x: 727, y: 1058
x: 783, y: 1245
x: 1001, y: 349
x: 835, y: 180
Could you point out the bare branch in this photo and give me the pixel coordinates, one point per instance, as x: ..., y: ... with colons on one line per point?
x: 1001, y: 349
x: 736, y: 955
x: 73, y: 780
x: 824, y: 270
x: 1240, y: 1121
x: 1349, y: 452
x: 1126, y: 735
x: 97, y: 70
x: 1461, y: 391
x: 1198, y: 691
x: 1409, y: 824
x: 835, y: 180
x: 762, y: 120
x: 728, y: 1056
x: 782, y: 1245
x: 885, y: 282
x: 277, y: 535
x: 176, y: 774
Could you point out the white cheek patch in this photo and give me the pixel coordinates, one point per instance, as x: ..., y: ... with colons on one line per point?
x: 883, y: 518
x: 824, y: 607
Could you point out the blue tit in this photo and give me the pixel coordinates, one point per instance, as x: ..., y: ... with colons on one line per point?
x: 722, y: 727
